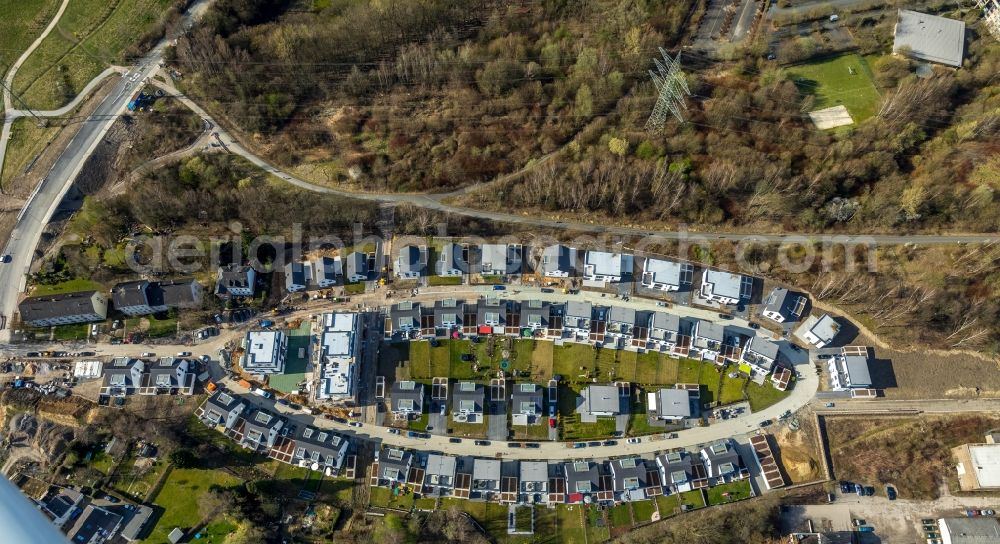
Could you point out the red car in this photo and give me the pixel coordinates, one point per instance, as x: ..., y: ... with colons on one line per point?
x: 552, y: 423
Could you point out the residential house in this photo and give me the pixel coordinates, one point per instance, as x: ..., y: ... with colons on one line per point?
x: 123, y: 377
x: 356, y: 267
x: 603, y: 266
x: 534, y: 482
x: 64, y: 309
x: 783, y: 305
x: 510, y: 474
x: 261, y: 429
x: 407, y: 399
x: 181, y: 293
x: 320, y: 449
x: 404, y: 317
x: 709, y: 336
x: 439, y: 475
x: 62, y: 504
x: 392, y: 467
x: 491, y: 316
x: 669, y: 404
x: 95, y: 525
x: 453, y: 260
x: 681, y: 472
x: 486, y: 479
x: 169, y: 376
x: 535, y: 315
x: 336, y: 356
x: 601, y: 401
x: 295, y: 277
x: 264, y: 352
x: 327, y: 271
x: 630, y: 479
x: 526, y: 401
x: 622, y: 324
x: 582, y: 481
x: 849, y: 370
x: 665, y: 330
x: 501, y: 259
x: 558, y: 261
x: 222, y: 408
x: 463, y: 477
x: 140, y: 297
x: 722, y: 462
x: 576, y: 319
x: 759, y: 355
x: 726, y: 287
x: 411, y: 263
x: 666, y: 275
x: 235, y: 281
x: 448, y: 315
x: 467, y: 401
x: 819, y: 332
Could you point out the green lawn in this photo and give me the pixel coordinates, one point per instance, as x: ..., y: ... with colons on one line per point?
x: 425, y: 503
x: 642, y: 511
x: 295, y: 366
x: 732, y: 389
x: 164, y: 325
x: 688, y: 370
x: 27, y: 140
x: 68, y: 286
x: 468, y: 430
x: 762, y: 396
x: 667, y: 505
x: 594, y: 532
x: 709, y: 379
x: 21, y: 23
x: 574, y: 429
x: 354, y: 288
x: 91, y: 35
x: 79, y: 331
x: 419, y: 424
x: 179, y: 499
x: 444, y: 280
x: 621, y: 515
x: 383, y: 497
x: 832, y: 82
x: 693, y: 498
x: 647, y: 368
x: 737, y: 491
x: 571, y: 527
x: 571, y: 360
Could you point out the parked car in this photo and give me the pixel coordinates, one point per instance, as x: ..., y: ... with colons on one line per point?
x: 552, y: 423
x: 148, y: 354
x: 482, y: 442
x: 393, y: 431
x: 725, y: 316
x: 988, y: 512
x: 634, y: 440
x: 859, y: 490
x: 411, y: 434
x: 577, y: 445
x: 869, y: 491
x: 205, y: 358
x: 513, y: 444
x: 455, y: 440
x: 890, y: 492
x: 6, y: 258
x: 552, y: 411
x: 610, y: 443
x: 753, y: 325
x: 824, y: 356
x: 765, y: 423
x: 284, y: 402
x: 846, y: 487
x: 183, y: 353
x: 547, y: 290
x: 499, y: 288
x: 444, y: 408
x: 532, y: 445
x: 594, y: 444
x: 355, y: 424
x: 858, y: 522
x: 340, y: 420
x: 830, y: 405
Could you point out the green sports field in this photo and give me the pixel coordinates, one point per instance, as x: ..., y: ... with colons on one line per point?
x: 845, y: 80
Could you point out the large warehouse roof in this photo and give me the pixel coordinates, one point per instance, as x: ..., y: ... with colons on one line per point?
x: 930, y: 38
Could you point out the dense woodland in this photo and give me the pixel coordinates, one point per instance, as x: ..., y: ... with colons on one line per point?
x: 445, y: 93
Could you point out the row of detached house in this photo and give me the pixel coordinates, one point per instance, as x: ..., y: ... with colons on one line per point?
x: 268, y: 433
x: 616, y: 327
x: 571, y: 482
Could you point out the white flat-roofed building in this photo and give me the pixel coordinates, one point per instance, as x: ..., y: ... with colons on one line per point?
x: 726, y: 287
x: 978, y: 466
x: 669, y: 404
x: 604, y: 266
x: 974, y: 530
x: 929, y: 37
x: 336, y: 357
x: 264, y: 352
x: 666, y: 275
x: 849, y: 370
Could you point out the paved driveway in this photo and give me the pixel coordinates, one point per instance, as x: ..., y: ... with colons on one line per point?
x: 497, y: 425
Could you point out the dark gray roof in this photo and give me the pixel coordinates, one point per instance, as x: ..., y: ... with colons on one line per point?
x: 394, y: 464
x: 327, y: 268
x: 631, y: 471
x: 557, y: 257
x: 785, y: 302
x: 410, y: 260
x: 930, y: 37
x: 409, y: 391
x: 677, y: 467
x: 223, y: 401
x: 718, y: 455
x: 711, y: 330
x: 320, y: 446
x: 492, y: 308
x: 136, y: 520
x: 130, y: 293
x: 506, y: 257
x: 535, y: 311
x: 530, y: 393
x: 666, y: 321
x: 93, y: 521
x: 468, y: 396
x: 582, y: 477
x: 620, y: 314
x: 356, y: 264
x: 180, y: 292
x: 232, y: 276
x: 763, y: 347
x: 450, y: 310
x: 451, y: 258
x: 53, y: 306
x: 407, y: 312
